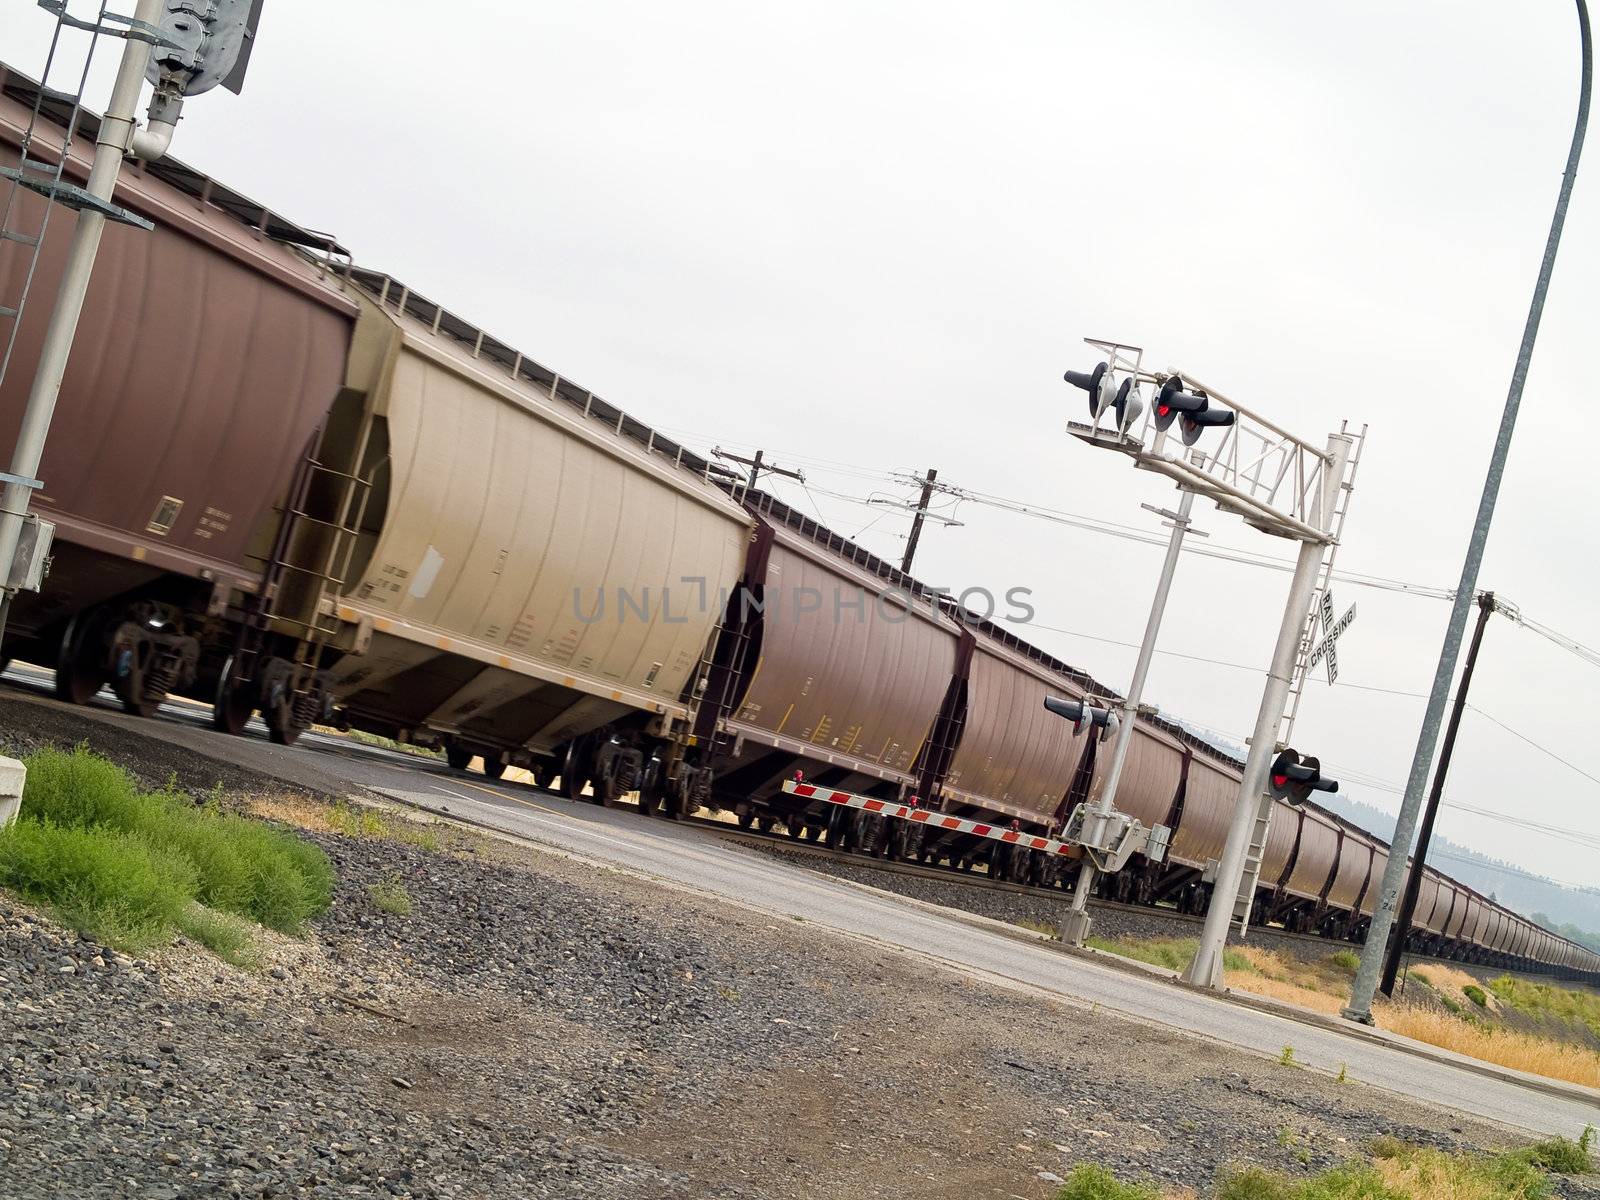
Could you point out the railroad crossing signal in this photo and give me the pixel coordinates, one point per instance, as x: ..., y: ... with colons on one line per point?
x: 205, y: 44
x: 1082, y: 714
x: 1294, y: 777
x: 1105, y: 392
x: 1332, y: 631
x: 1192, y: 410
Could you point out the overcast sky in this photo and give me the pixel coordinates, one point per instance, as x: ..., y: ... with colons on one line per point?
x: 869, y: 237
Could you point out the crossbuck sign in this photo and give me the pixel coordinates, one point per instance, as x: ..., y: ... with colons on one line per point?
x: 1331, y: 633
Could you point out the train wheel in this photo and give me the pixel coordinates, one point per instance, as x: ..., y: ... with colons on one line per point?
x: 745, y: 815
x: 232, y: 705
x: 652, y: 799
x: 833, y: 835
x: 457, y: 758
x: 796, y: 826
x: 544, y: 774
x: 283, y: 733
x: 80, y: 671
x: 140, y: 706
x: 574, y: 775
x: 493, y: 767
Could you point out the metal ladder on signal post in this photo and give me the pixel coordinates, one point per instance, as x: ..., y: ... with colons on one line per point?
x: 1245, y: 901
x: 47, y: 179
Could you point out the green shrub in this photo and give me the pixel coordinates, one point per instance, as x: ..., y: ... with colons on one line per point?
x: 79, y: 788
x: 1096, y: 1183
x: 1475, y: 993
x: 1558, y: 1155
x: 1346, y: 962
x: 126, y: 864
x: 110, y: 884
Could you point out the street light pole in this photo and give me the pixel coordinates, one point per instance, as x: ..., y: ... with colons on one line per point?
x: 1366, y: 981
x: 1075, y: 926
x: 117, y: 128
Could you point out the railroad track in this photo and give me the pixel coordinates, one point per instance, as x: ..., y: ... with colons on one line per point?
x: 981, y: 882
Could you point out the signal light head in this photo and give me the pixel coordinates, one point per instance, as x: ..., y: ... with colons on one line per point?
x: 1082, y: 714
x: 1173, y: 402
x: 1196, y: 423
x: 1099, y: 384
x: 1127, y: 405
x: 1294, y: 778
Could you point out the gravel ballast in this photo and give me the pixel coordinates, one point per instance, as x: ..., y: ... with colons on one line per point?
x: 539, y: 1026
x: 536, y: 1026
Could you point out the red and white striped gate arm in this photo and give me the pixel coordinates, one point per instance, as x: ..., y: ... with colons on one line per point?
x: 925, y: 816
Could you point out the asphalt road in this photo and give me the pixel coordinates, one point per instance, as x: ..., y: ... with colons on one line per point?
x: 692, y: 857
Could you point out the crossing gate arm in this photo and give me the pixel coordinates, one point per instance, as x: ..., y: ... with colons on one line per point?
x: 1152, y: 841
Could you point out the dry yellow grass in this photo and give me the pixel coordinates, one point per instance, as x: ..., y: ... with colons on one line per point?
x: 300, y: 811
x: 1322, y: 987
x: 1316, y: 999
x: 1505, y: 1047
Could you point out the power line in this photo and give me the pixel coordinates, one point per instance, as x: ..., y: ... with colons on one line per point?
x: 1100, y: 525
x: 1534, y: 744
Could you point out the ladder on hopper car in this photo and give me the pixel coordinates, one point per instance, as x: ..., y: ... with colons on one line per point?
x: 310, y: 563
x: 35, y: 173
x: 1245, y: 901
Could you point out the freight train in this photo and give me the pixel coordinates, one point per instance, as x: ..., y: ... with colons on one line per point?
x: 283, y: 484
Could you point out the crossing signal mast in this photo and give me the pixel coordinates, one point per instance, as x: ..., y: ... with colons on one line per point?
x: 183, y: 47
x: 1277, y: 483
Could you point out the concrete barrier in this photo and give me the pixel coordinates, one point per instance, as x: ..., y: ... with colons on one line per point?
x: 12, y: 773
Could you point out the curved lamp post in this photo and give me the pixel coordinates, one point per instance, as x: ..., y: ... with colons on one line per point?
x: 1366, y: 982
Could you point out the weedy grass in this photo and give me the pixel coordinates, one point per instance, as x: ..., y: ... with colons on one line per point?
x: 373, y: 739
x: 1173, y: 953
x: 1087, y: 1182
x: 1043, y: 927
x: 390, y: 896
x: 1471, y: 1023
x: 130, y: 866
x: 1346, y: 962
x: 1547, y: 1001
x: 1395, y: 1171
x: 1560, y: 1156
x: 350, y: 820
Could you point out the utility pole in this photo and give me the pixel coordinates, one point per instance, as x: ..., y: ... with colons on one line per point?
x: 916, y: 521
x: 919, y: 510
x: 1075, y: 926
x: 1366, y: 981
x: 1408, y: 905
x: 758, y: 467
